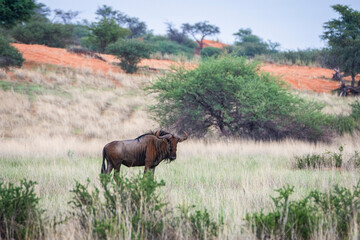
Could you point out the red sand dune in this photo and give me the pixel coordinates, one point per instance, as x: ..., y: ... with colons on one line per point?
x: 39, y: 54
x: 299, y: 77
x: 304, y: 78
x: 215, y: 44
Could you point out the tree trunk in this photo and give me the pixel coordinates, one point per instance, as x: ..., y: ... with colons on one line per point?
x: 353, y: 74
x: 222, y: 129
x: 352, y: 79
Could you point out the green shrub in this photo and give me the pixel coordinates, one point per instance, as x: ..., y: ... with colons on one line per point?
x: 355, y: 110
x: 44, y: 32
x: 129, y: 52
x: 288, y: 220
x: 170, y: 47
x: 307, y: 57
x: 328, y: 160
x: 120, y: 208
x: 335, y: 212
x: 9, y: 56
x: 163, y: 45
x: 200, y: 222
x: 124, y: 208
x: 103, y: 33
x: 340, y: 208
x: 210, y: 52
x: 310, y: 161
x: 20, y: 215
x: 229, y: 94
x: 344, y: 124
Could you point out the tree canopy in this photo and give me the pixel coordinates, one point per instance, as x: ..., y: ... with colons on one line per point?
x: 343, y: 38
x: 137, y: 28
x: 200, y: 30
x: 231, y: 97
x: 14, y: 11
x: 248, y: 44
x: 9, y: 56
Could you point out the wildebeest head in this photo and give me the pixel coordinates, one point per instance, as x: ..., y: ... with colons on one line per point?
x: 172, y: 141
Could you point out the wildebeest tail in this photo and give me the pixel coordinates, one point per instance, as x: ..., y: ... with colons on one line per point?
x: 103, y: 162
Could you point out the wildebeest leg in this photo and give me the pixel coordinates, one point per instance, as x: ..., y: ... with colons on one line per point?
x: 151, y: 169
x: 150, y: 157
x: 117, y: 173
x: 109, y: 168
x: 117, y: 168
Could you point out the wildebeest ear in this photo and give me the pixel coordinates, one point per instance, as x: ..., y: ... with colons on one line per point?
x: 184, y: 138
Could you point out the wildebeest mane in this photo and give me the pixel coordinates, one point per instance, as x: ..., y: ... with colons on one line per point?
x: 162, y: 133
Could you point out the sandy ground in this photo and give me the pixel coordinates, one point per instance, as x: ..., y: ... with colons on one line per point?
x: 299, y: 77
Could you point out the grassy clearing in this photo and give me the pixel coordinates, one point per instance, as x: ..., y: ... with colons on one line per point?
x: 56, y: 140
x: 227, y: 178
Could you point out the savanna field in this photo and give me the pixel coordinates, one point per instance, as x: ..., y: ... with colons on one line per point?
x: 59, y: 110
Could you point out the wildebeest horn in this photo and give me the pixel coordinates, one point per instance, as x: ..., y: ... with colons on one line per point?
x: 184, y: 138
x: 157, y: 134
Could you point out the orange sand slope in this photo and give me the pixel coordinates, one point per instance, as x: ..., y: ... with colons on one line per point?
x: 304, y: 78
x: 215, y: 44
x: 299, y: 77
x: 47, y: 55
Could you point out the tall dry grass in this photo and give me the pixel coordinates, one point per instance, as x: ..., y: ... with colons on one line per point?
x: 56, y: 137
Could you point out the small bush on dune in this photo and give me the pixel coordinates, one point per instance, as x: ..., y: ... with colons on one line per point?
x: 20, y: 215
x: 130, y: 52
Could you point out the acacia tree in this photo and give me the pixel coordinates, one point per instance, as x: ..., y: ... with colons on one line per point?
x: 176, y: 35
x: 200, y: 30
x: 136, y: 27
x: 343, y: 36
x: 65, y: 16
x: 230, y: 96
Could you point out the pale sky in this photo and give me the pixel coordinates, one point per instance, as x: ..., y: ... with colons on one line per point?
x: 295, y: 24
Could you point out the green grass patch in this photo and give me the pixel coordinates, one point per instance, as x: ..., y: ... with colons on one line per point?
x: 32, y: 89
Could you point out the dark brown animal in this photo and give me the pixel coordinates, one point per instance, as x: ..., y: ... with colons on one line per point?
x: 146, y: 150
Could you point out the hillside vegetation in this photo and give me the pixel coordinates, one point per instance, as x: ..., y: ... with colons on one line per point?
x: 271, y: 153
x: 55, y: 121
